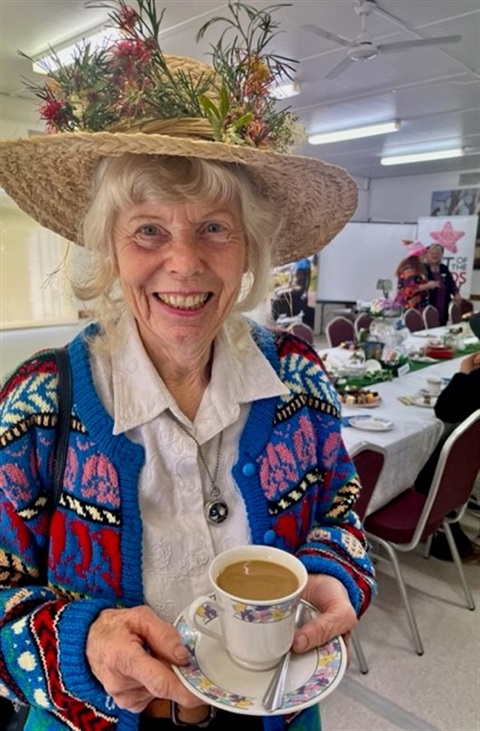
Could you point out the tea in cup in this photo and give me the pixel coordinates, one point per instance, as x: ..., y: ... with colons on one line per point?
x: 434, y: 385
x: 257, y: 591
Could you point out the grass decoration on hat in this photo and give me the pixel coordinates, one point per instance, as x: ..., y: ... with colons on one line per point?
x: 128, y: 84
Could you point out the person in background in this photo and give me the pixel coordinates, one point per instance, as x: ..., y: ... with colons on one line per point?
x: 459, y: 399
x: 193, y: 429
x: 412, y: 284
x: 445, y: 288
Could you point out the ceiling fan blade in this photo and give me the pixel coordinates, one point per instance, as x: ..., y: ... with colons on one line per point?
x: 339, y: 68
x: 404, y: 45
x: 327, y: 34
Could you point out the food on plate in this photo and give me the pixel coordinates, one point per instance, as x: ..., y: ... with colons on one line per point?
x: 352, y: 396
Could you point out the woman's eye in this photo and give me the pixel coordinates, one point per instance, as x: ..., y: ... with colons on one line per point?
x: 148, y: 230
x: 149, y: 235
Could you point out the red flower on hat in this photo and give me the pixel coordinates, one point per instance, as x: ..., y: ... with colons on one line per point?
x: 447, y: 237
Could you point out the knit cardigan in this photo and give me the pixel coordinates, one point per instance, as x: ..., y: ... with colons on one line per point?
x: 58, y: 574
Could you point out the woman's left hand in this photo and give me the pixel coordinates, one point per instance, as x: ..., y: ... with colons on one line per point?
x: 337, y: 616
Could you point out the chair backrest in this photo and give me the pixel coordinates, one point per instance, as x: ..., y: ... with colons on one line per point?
x: 362, y: 322
x: 454, y: 313
x: 339, y: 330
x: 368, y: 460
x: 457, y: 468
x: 431, y: 318
x: 413, y: 320
x: 302, y: 331
x: 466, y: 306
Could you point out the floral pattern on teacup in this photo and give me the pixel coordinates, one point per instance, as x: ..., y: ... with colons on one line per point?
x: 262, y: 614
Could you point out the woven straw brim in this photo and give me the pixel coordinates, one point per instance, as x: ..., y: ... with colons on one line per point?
x: 49, y: 177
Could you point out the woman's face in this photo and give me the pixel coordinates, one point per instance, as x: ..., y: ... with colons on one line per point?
x: 180, y: 267
x: 434, y: 255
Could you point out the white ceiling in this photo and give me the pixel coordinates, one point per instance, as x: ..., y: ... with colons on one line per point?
x: 434, y: 91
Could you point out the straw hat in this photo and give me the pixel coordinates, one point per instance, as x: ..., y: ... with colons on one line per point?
x: 50, y: 176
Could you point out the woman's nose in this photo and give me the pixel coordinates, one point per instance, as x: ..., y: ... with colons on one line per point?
x: 185, y: 256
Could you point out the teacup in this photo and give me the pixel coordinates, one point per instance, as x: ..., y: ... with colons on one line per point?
x: 434, y: 385
x: 257, y: 591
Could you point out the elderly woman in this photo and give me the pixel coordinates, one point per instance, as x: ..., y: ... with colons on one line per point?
x: 443, y: 284
x: 192, y: 429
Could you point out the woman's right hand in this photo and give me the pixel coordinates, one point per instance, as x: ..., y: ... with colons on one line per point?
x: 131, y: 674
x: 470, y: 363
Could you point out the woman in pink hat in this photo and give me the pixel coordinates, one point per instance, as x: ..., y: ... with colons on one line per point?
x: 412, y: 283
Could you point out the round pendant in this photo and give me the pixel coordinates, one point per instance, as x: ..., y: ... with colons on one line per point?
x: 216, y: 511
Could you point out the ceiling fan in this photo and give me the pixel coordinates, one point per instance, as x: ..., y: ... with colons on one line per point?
x: 363, y: 47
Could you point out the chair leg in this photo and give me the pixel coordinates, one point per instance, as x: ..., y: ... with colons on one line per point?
x: 458, y: 564
x: 428, y: 545
x: 403, y: 591
x: 362, y: 662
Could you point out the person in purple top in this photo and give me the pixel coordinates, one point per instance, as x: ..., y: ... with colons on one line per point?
x: 446, y: 289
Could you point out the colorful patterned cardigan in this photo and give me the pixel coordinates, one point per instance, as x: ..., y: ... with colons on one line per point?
x: 296, y: 479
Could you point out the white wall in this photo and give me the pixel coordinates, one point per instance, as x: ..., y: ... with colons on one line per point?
x: 16, y: 345
x: 408, y: 197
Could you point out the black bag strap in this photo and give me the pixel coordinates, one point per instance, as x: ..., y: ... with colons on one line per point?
x: 63, y: 423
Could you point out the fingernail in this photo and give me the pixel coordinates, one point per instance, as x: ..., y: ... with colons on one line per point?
x: 180, y: 653
x: 301, y: 643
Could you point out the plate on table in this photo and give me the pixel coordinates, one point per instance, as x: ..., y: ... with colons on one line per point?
x: 359, y: 397
x: 423, y: 359
x: 215, y: 678
x: 371, y: 423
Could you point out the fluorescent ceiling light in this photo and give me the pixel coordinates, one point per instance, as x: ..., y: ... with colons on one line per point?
x: 354, y: 133
x: 286, y: 89
x: 422, y: 156
x: 47, y: 62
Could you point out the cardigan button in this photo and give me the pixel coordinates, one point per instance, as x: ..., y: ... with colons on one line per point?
x: 249, y: 469
x: 270, y: 537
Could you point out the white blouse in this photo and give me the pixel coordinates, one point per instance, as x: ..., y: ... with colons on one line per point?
x: 178, y: 542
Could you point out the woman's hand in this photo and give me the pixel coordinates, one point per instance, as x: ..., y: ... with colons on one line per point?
x: 470, y: 363
x: 337, y: 614
x: 133, y: 676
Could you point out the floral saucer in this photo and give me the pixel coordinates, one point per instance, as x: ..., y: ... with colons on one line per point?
x: 216, y: 679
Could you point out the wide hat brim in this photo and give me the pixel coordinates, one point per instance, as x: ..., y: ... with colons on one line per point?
x: 50, y: 179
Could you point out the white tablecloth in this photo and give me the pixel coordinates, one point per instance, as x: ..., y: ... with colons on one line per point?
x: 416, y: 429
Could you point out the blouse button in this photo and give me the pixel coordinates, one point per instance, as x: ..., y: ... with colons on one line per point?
x: 270, y: 537
x: 249, y: 469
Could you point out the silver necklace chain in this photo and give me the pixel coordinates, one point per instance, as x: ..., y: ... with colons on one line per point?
x: 216, y: 510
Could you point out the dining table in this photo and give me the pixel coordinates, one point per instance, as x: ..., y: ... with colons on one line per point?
x: 402, y: 421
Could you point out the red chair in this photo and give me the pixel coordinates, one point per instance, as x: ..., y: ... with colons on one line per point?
x: 368, y: 460
x: 431, y: 318
x: 413, y: 320
x: 454, y: 313
x: 302, y: 331
x: 466, y: 306
x: 362, y: 322
x: 412, y: 517
x: 339, y: 330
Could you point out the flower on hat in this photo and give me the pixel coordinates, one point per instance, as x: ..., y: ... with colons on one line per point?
x: 129, y: 81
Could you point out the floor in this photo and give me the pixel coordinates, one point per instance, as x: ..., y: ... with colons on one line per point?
x: 439, y: 691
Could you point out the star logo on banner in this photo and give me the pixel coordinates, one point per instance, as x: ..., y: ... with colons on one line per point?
x: 447, y: 237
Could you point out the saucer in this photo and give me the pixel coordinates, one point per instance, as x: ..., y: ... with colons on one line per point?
x: 215, y: 678
x: 370, y: 423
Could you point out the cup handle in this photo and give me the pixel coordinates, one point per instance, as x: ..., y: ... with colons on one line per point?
x: 200, y: 612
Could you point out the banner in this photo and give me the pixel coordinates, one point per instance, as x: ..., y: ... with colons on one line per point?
x: 457, y: 235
